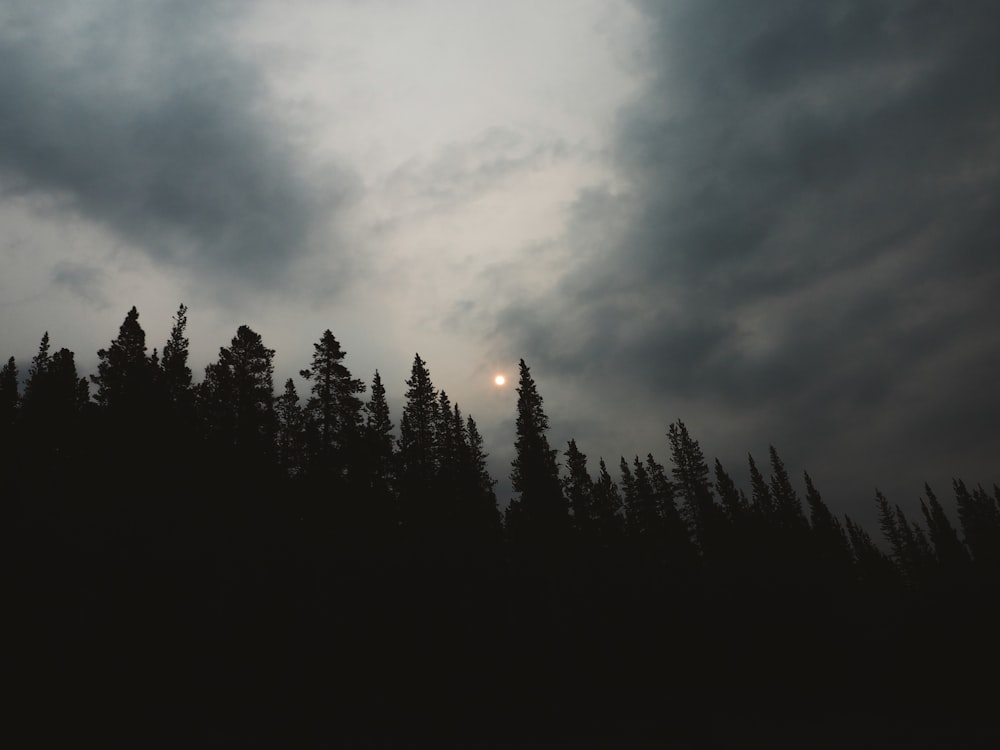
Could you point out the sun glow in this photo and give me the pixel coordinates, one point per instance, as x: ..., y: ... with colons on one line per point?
x: 499, y: 380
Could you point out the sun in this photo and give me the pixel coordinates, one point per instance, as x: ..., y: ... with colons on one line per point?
x: 499, y: 380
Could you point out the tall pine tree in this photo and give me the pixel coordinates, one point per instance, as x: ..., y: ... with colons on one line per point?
x: 540, y: 510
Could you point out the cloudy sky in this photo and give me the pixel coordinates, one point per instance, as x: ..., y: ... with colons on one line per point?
x: 774, y: 220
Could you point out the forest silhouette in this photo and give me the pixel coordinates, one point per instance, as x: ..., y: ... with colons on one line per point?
x: 221, y: 562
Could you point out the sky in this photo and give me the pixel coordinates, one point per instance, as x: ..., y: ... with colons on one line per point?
x: 776, y: 221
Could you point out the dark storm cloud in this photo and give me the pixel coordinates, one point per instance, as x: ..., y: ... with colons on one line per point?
x: 810, y: 230
x: 143, y: 118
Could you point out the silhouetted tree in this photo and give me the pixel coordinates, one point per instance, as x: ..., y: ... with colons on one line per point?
x: 734, y: 502
x: 642, y: 504
x: 53, y: 390
x: 334, y: 408
x: 787, y: 508
x: 125, y: 375
x: 979, y: 516
x: 664, y: 493
x: 450, y: 450
x: 9, y: 395
x: 830, y: 538
x: 482, y: 500
x: 760, y: 497
x: 872, y: 567
x: 291, y: 435
x: 690, y: 474
x: 578, y: 487
x: 174, y: 364
x: 237, y: 395
x: 607, y: 505
x: 379, y: 456
x: 54, y: 399
x: 540, y: 511
x: 417, y: 445
x: 952, y: 556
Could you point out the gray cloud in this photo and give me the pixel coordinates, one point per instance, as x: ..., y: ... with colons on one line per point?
x: 144, y: 118
x: 462, y: 172
x: 807, y: 248
x: 84, y: 281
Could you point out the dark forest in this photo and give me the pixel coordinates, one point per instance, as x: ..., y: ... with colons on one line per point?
x: 226, y: 563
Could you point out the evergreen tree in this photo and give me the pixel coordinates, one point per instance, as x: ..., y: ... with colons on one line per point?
x: 335, y: 407
x: 691, y: 479
x: 831, y: 539
x: 51, y: 409
x: 379, y: 456
x: 664, y: 493
x: 578, y: 487
x: 787, y: 507
x: 237, y: 395
x: 760, y: 497
x: 417, y: 445
x: 9, y: 395
x: 646, y: 503
x: 450, y: 452
x: 607, y: 504
x: 979, y: 516
x: 872, y: 567
x: 125, y: 376
x: 34, y: 387
x: 889, y: 526
x: 542, y: 511
x: 734, y: 502
x: 486, y: 516
x: 174, y: 365
x: 53, y: 391
x: 630, y: 496
x: 291, y: 433
x: 9, y: 401
x: 910, y: 550
x: 952, y: 556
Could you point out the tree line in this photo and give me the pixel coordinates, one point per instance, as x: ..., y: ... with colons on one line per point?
x: 231, y: 539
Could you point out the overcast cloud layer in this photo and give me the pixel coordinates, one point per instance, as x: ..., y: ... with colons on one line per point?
x: 143, y: 118
x: 775, y: 220
x: 806, y: 251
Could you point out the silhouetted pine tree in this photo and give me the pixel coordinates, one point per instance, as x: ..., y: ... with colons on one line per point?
x: 761, y: 500
x: 9, y: 395
x: 734, y: 502
x: 952, y: 556
x: 51, y: 412
x: 607, y: 505
x: 291, y: 430
x: 644, y: 514
x: 379, y: 458
x: 237, y: 396
x: 873, y: 568
x: 664, y: 492
x: 450, y: 448
x: 690, y: 474
x: 176, y: 374
x: 979, y: 516
x: 787, y: 507
x: 578, y: 488
x: 334, y: 409
x: 484, y: 516
x: 831, y: 542
x: 630, y: 499
x: 417, y: 443
x: 540, y: 511
x: 53, y: 391
x: 125, y: 375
